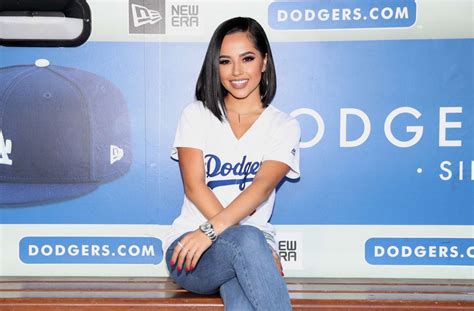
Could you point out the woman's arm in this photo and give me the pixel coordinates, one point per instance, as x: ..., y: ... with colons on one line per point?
x: 194, y: 182
x: 196, y: 242
x: 266, y: 179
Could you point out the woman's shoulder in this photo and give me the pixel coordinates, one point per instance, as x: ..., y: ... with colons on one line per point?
x: 281, y: 119
x: 199, y: 115
x: 194, y: 107
x: 196, y: 110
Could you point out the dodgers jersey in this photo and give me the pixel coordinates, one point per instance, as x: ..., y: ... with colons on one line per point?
x: 231, y: 164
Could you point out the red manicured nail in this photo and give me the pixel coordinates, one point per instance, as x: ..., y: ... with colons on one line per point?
x: 172, y: 263
x: 282, y: 274
x: 179, y: 268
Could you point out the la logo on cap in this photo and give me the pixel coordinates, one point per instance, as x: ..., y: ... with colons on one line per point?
x: 5, y: 150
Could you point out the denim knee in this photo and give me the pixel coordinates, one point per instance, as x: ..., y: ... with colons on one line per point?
x: 246, y: 238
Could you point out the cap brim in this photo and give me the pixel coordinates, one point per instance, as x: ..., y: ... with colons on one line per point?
x: 12, y: 194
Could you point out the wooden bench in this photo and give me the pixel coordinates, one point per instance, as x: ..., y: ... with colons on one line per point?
x: 162, y: 294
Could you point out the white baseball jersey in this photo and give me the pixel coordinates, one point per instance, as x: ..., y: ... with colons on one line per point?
x: 231, y: 164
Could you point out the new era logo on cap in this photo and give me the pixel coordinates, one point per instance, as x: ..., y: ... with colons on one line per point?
x: 116, y: 154
x: 63, y: 132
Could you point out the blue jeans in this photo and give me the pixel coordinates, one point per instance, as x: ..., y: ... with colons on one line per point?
x: 239, y: 265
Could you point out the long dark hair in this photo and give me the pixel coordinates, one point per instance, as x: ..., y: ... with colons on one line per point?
x: 209, y: 89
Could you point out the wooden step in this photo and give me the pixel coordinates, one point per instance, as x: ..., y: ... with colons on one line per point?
x: 24, y: 293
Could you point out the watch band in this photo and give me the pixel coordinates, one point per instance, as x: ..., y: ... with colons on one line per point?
x: 208, y: 230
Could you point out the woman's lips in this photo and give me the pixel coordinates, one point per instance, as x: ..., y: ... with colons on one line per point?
x: 239, y: 84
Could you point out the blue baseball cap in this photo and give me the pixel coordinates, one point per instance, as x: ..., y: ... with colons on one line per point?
x: 63, y: 132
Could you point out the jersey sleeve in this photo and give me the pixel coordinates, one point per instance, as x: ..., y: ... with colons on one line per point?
x: 284, y: 147
x: 190, y: 130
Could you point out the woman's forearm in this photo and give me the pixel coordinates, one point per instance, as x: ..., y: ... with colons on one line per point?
x: 204, y: 199
x: 196, y: 190
x: 194, y: 182
x: 241, y: 207
x: 267, y: 178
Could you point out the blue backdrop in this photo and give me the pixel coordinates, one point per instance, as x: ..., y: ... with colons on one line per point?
x: 374, y: 183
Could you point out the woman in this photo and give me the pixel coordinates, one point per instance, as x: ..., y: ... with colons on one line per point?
x: 233, y: 150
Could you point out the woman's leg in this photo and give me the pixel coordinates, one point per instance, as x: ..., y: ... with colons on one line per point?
x: 234, y: 297
x: 242, y: 252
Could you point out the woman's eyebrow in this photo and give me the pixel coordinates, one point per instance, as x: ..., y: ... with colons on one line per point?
x: 247, y: 53
x: 241, y: 55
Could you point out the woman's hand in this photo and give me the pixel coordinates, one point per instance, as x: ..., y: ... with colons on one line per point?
x: 190, y: 249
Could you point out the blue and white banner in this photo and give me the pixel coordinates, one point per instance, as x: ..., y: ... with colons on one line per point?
x: 341, y: 14
x: 420, y: 251
x: 384, y: 97
x: 90, y: 250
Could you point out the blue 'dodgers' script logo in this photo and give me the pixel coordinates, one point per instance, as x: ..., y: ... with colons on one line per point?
x: 90, y: 250
x: 342, y: 14
x: 215, y: 167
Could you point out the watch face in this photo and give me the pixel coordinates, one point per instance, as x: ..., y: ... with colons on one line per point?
x: 206, y: 226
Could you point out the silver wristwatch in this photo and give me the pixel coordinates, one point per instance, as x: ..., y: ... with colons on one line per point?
x: 208, y: 230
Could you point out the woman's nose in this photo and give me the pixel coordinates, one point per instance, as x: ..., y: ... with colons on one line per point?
x: 236, y: 69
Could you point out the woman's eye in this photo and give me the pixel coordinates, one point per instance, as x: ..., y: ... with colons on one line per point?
x: 248, y: 59
x: 224, y: 61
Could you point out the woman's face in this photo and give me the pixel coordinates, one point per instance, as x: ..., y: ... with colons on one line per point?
x: 241, y: 66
